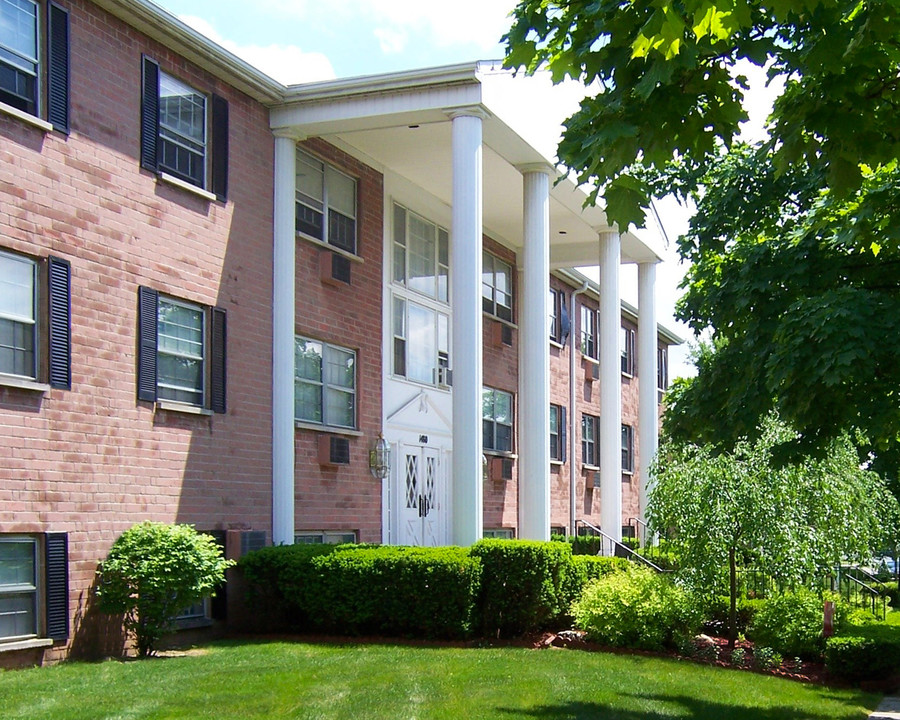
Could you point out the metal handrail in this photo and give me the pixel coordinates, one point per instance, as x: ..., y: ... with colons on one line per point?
x: 620, y: 549
x: 638, y: 526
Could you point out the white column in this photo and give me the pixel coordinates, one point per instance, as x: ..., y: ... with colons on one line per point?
x: 283, y: 300
x: 534, y: 360
x: 648, y: 409
x: 610, y: 387
x: 465, y: 273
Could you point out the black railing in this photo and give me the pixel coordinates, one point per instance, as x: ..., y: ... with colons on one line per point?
x: 610, y: 547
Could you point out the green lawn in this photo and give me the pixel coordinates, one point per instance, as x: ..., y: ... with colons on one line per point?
x: 278, y: 680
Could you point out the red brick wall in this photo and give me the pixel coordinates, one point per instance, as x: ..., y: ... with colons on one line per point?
x: 92, y: 461
x: 345, y: 497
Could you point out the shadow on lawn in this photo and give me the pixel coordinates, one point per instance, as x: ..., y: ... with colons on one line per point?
x: 688, y: 707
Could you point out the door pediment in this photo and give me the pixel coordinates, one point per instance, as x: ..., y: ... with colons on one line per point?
x: 421, y: 412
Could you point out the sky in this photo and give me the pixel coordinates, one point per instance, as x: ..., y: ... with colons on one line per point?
x: 297, y: 41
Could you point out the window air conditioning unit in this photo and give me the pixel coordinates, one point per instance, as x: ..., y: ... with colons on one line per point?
x: 334, y: 269
x: 501, y: 468
x: 334, y: 450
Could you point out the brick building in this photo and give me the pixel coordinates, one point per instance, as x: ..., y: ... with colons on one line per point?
x: 217, y: 293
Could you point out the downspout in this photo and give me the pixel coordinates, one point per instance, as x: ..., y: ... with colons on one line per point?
x: 572, y: 443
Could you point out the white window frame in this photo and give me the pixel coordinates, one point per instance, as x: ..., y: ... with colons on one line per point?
x: 38, y: 65
x: 325, y: 386
x: 626, y: 348
x: 20, y: 589
x: 310, y: 203
x: 490, y: 302
x: 556, y: 413
x: 440, y: 241
x: 172, y: 136
x: 588, y: 332
x: 662, y: 368
x: 627, y: 448
x: 400, y: 342
x: 32, y: 321
x: 325, y: 537
x: 499, y: 533
x: 203, y: 358
x: 492, y: 418
x: 589, y: 455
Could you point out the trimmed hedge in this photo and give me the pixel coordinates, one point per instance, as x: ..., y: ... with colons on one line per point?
x: 594, y: 567
x: 421, y: 592
x: 526, y: 585
x: 871, y: 657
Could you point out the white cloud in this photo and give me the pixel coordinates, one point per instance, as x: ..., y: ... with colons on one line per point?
x: 287, y: 64
x: 392, y: 41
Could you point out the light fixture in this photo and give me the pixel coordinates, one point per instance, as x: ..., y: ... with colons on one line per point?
x: 380, y: 458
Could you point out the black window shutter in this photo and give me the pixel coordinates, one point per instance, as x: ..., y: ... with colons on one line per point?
x: 217, y: 361
x: 58, y: 67
x: 219, y: 147
x: 60, y: 328
x: 56, y: 559
x: 149, y: 112
x: 562, y: 433
x: 148, y: 309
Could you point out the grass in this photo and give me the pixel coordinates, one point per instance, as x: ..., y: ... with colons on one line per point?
x: 251, y: 680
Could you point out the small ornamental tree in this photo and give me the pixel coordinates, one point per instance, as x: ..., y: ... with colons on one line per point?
x: 153, y: 571
x: 727, y: 511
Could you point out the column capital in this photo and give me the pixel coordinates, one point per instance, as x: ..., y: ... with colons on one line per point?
x: 545, y: 168
x: 468, y: 111
x: 602, y: 230
x: 289, y: 134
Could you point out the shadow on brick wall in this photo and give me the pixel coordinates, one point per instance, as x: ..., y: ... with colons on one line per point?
x: 96, y: 634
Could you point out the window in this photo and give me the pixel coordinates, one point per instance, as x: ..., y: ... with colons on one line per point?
x: 326, y: 203
x: 421, y: 342
x: 21, y: 311
x: 589, y: 426
x: 588, y: 332
x: 421, y: 255
x: 499, y: 533
x: 496, y: 287
x: 181, y: 352
x: 184, y: 132
x: 557, y: 433
x: 627, y: 448
x: 34, y: 586
x: 21, y: 64
x: 326, y: 537
x: 324, y: 384
x: 559, y: 317
x: 497, y: 419
x: 662, y: 368
x: 626, y: 347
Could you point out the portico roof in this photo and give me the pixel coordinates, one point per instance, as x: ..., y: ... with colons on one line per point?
x: 401, y: 122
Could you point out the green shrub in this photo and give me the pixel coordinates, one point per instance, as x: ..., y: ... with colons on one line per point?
x: 765, y: 658
x: 152, y: 572
x: 791, y: 623
x: 869, y: 653
x: 890, y: 589
x: 716, y: 611
x: 526, y: 585
x: 635, y: 608
x: 594, y: 567
x: 351, y: 589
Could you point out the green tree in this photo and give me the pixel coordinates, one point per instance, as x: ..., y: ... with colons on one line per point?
x: 153, y: 571
x: 668, y: 88
x: 726, y: 511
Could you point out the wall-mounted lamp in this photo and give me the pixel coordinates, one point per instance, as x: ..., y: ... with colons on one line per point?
x: 380, y: 458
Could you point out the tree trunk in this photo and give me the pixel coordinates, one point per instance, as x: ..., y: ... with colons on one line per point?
x: 732, y: 610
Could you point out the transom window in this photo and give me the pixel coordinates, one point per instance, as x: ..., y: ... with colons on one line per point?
x: 421, y: 349
x: 182, y: 130
x: 496, y: 287
x: 325, y: 203
x: 18, y: 300
x: 589, y: 426
x: 626, y: 347
x: 421, y: 255
x: 324, y: 383
x: 181, y: 339
x: 497, y: 419
x: 588, y: 332
x: 627, y: 448
x: 18, y: 588
x: 19, y: 54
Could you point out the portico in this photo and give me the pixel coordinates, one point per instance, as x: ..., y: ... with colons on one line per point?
x: 449, y: 157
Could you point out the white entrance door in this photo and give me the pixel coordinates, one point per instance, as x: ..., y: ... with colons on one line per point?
x: 421, y: 489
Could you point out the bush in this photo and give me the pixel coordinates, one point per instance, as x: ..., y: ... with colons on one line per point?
x: 716, y: 611
x: 870, y: 655
x: 791, y: 623
x: 765, y: 658
x: 526, y: 585
x: 635, y: 608
x: 890, y: 589
x: 594, y: 567
x: 152, y: 572
x: 421, y: 592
